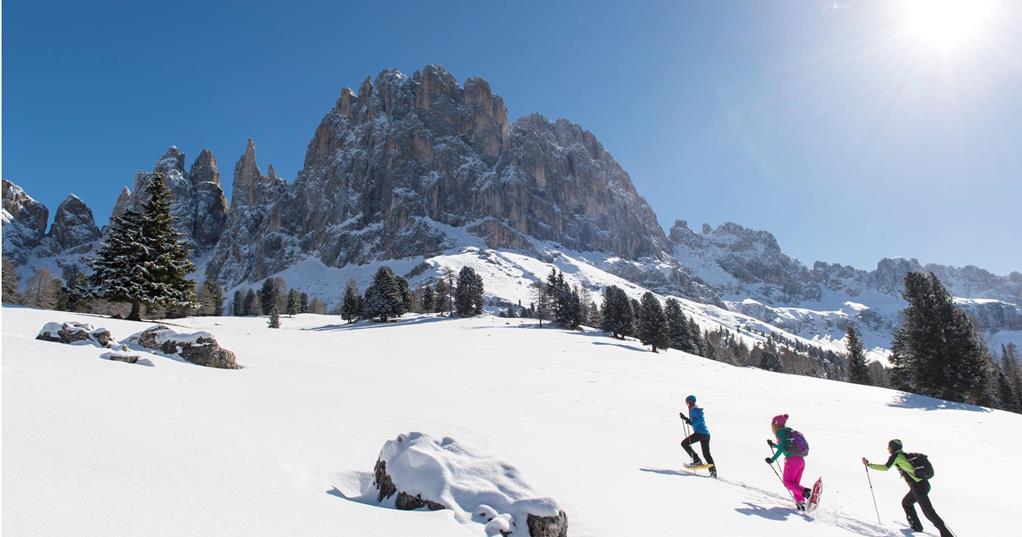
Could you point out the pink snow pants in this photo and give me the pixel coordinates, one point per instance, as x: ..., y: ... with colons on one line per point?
x: 793, y: 468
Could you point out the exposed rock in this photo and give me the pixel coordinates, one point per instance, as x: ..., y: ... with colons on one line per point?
x: 73, y: 333
x: 199, y: 348
x: 548, y: 526
x: 73, y: 225
x: 204, y: 169
x: 120, y: 356
x: 24, y: 222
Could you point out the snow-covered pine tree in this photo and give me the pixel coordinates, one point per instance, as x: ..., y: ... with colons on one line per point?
x: 270, y: 294
x: 303, y: 303
x: 428, y: 299
x: 142, y: 260
x: 238, y: 304
x: 383, y: 296
x: 541, y: 293
x: 468, y: 296
x: 698, y: 338
x: 349, y: 304
x: 274, y: 321
x: 73, y: 296
x: 858, y: 370
x: 11, y: 282
x: 294, y: 303
x: 936, y: 350
x: 653, y: 328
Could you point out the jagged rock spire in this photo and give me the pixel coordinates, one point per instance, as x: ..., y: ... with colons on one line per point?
x: 204, y: 169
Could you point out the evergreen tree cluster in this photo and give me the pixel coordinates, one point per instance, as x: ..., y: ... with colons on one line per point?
x: 618, y: 313
x: 936, y: 351
x: 858, y: 370
x: 469, y: 293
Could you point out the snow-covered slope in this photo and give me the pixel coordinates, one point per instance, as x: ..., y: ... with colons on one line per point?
x: 93, y: 447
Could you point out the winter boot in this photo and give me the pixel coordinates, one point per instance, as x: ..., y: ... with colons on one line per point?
x: 807, y: 494
x: 800, y: 506
x: 713, y: 471
x: 915, y: 524
x: 696, y: 461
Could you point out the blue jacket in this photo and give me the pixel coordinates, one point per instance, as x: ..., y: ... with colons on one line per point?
x: 698, y: 421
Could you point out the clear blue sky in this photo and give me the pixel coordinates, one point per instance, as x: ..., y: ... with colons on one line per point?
x: 852, y: 130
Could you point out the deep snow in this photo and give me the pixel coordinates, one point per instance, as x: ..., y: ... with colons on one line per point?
x: 94, y: 447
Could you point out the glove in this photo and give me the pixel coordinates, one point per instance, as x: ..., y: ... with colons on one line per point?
x: 768, y: 460
x: 685, y: 419
x: 864, y: 461
x: 771, y: 443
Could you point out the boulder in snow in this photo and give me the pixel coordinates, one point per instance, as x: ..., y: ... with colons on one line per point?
x: 121, y: 356
x: 73, y: 333
x: 199, y: 348
x: 423, y: 471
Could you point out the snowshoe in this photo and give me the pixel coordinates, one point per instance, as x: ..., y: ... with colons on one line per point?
x: 813, y: 501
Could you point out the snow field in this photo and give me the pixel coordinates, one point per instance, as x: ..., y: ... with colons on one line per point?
x: 93, y: 447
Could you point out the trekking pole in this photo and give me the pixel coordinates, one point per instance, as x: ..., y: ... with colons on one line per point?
x: 781, y: 479
x: 870, y: 481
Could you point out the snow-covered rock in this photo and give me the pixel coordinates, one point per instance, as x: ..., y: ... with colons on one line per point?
x: 199, y: 348
x: 24, y: 222
x: 420, y: 471
x: 75, y: 333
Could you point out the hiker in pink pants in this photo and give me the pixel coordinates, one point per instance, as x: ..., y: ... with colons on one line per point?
x: 794, y: 447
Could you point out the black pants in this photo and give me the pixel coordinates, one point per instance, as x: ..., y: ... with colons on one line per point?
x: 704, y: 440
x: 920, y: 493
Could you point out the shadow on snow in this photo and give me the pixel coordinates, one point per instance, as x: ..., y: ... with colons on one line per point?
x: 925, y: 402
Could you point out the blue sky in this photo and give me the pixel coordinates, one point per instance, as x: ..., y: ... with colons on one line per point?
x: 838, y: 126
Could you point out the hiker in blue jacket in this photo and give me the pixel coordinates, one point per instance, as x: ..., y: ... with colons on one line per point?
x: 700, y: 433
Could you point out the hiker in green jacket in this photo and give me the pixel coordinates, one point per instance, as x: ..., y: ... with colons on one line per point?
x: 919, y: 489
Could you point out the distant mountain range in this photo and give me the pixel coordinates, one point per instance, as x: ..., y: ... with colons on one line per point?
x: 423, y: 172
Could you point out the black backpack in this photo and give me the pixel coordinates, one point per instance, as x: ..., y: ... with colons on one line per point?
x: 923, y: 468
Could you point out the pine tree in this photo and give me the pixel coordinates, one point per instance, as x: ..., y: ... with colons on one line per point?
x: 272, y: 293
x: 469, y: 293
x: 238, y: 304
x: 142, y: 260
x: 936, y: 350
x: 73, y: 296
x: 680, y: 338
x: 251, y: 303
x: 11, y: 282
x: 653, y: 328
x: 303, y: 303
x: 858, y: 370
x: 217, y: 295
x: 274, y: 321
x: 383, y: 297
x: 349, y: 305
x: 618, y: 316
x: 294, y: 303
x: 1013, y: 374
x: 443, y: 296
x: 407, y: 303
x: 698, y: 341
x: 428, y: 299
x: 542, y: 295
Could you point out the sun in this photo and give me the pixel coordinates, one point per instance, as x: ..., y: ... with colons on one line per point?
x: 948, y: 24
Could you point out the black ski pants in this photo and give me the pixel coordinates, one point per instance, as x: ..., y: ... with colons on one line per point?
x: 704, y: 441
x: 920, y: 493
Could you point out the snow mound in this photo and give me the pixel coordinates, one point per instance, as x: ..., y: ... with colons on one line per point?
x: 478, y: 489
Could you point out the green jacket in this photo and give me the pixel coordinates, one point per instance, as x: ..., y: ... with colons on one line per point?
x: 899, y: 460
x: 783, y: 445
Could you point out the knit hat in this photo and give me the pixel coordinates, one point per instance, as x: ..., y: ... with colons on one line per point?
x: 780, y: 420
x: 690, y: 399
x: 894, y: 445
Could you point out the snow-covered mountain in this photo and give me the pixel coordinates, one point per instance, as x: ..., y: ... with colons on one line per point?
x: 424, y: 173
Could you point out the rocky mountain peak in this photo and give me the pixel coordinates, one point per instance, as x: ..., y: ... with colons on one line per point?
x: 171, y: 161
x: 73, y: 225
x: 250, y: 186
x: 24, y: 222
x: 204, y: 169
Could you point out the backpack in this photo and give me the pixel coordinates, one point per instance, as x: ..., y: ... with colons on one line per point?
x: 797, y: 444
x: 923, y: 468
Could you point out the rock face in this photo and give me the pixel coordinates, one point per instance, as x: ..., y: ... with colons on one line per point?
x: 393, y: 165
x: 73, y: 225
x: 198, y: 204
x: 72, y: 333
x: 199, y: 348
x: 24, y: 222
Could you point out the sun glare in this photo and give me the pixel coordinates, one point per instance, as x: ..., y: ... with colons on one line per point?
x: 948, y: 24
